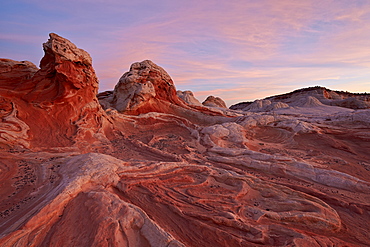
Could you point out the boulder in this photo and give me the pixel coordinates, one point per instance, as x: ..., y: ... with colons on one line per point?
x: 146, y: 87
x: 188, y: 97
x: 213, y: 101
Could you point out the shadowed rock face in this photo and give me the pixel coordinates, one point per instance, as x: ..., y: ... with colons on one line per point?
x: 152, y: 170
x: 14, y: 73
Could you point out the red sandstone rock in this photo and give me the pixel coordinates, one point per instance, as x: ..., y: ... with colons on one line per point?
x: 13, y: 73
x: 58, y: 101
x: 165, y: 173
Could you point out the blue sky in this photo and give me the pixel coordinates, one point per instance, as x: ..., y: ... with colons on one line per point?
x: 237, y: 50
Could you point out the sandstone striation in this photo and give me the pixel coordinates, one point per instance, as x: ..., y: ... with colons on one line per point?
x: 146, y: 165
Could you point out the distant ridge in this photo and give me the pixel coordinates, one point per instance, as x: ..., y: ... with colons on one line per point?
x: 324, y: 95
x: 308, y: 89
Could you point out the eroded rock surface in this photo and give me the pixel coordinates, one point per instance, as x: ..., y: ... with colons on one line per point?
x: 146, y: 88
x: 146, y: 168
x: 56, y: 104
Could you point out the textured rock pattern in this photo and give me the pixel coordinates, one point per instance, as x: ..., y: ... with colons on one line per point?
x: 154, y: 170
x: 13, y: 131
x: 58, y: 101
x: 142, y: 86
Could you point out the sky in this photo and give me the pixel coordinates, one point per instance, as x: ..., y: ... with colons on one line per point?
x: 238, y: 50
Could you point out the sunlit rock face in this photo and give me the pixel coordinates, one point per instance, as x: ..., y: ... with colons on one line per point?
x: 149, y: 168
x: 65, y: 71
x: 56, y: 105
x: 146, y: 87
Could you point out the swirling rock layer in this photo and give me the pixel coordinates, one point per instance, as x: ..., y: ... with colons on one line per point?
x: 152, y: 170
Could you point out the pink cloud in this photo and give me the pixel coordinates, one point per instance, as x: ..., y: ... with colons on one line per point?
x: 243, y: 49
x: 248, y: 31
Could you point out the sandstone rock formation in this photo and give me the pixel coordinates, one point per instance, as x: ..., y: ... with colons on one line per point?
x: 13, y: 73
x: 148, y: 88
x: 352, y: 103
x: 146, y: 168
x: 188, y: 97
x: 143, y: 88
x: 213, y: 101
x: 264, y: 106
x: 58, y: 101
